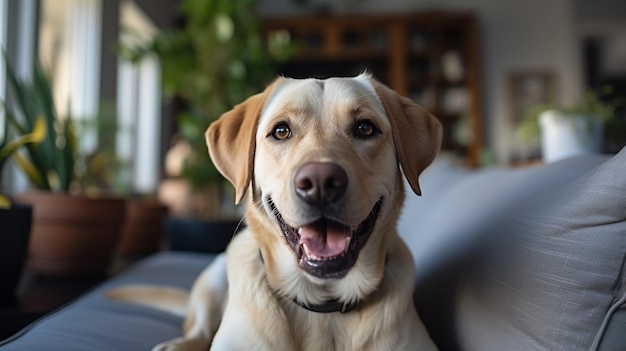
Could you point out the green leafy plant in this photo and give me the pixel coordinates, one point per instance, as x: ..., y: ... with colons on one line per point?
x: 46, y: 149
x: 594, y: 105
x: 7, y: 148
x: 48, y: 164
x: 215, y: 61
x: 102, y: 171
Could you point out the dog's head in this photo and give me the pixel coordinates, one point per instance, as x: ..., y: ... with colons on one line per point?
x: 323, y: 160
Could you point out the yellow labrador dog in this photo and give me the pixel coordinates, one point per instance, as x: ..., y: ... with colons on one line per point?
x: 320, y: 265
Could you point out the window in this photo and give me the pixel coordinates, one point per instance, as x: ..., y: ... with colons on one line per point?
x: 69, y: 46
x: 3, y: 40
x: 17, y: 37
x: 139, y: 104
x: 69, y: 50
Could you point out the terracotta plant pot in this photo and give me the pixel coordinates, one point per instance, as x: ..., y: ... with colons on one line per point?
x: 73, y: 235
x: 15, y: 223
x: 144, y: 228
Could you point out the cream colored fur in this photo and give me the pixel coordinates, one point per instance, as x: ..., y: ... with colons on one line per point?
x: 259, y: 311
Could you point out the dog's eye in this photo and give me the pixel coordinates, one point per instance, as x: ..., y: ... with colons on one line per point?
x: 365, y: 129
x: 281, y: 131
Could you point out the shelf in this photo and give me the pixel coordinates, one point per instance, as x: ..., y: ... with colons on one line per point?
x: 431, y: 57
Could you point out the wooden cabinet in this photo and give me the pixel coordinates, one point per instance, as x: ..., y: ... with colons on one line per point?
x: 431, y: 57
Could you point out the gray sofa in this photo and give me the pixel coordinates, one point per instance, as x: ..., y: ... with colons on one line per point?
x: 508, y: 259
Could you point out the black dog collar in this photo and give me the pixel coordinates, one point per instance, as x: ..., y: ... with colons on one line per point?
x: 329, y: 306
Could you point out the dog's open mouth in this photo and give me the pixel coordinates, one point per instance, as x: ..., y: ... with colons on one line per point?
x: 326, y: 248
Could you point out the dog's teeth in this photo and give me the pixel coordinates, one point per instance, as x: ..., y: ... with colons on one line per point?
x: 306, y: 251
x: 310, y: 255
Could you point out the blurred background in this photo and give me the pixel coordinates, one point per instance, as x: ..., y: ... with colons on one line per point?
x: 145, y: 78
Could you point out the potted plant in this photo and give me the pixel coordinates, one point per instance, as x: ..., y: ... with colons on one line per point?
x: 143, y: 231
x: 578, y: 129
x: 214, y: 61
x: 103, y: 172
x: 72, y: 234
x: 15, y: 218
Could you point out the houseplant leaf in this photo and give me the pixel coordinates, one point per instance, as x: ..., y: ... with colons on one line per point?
x: 49, y: 163
x: 33, y: 175
x: 38, y: 134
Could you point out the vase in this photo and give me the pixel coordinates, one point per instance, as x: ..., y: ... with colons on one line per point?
x: 564, y: 136
x: 143, y: 231
x: 73, y: 235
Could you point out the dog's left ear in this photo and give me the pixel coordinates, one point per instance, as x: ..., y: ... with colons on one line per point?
x: 231, y: 141
x: 416, y: 133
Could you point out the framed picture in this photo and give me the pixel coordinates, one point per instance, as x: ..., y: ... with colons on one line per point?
x: 528, y: 90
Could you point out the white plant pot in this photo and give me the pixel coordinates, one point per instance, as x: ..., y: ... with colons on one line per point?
x: 564, y: 136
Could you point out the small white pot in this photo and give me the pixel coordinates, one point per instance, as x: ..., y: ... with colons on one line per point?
x: 564, y: 136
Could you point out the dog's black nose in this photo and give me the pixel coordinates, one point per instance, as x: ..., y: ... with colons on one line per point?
x: 320, y: 183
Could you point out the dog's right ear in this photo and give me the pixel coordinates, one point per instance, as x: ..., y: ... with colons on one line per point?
x: 231, y: 141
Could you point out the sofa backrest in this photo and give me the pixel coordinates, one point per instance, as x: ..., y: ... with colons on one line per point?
x: 523, y: 258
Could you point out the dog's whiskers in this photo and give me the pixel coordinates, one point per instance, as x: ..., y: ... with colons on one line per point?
x: 239, y: 224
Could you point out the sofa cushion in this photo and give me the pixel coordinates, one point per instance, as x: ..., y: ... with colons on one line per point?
x: 96, y: 323
x: 549, y: 273
x: 613, y: 338
x: 458, y: 211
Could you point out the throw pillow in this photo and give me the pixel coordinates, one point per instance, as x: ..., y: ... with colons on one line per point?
x: 550, y: 275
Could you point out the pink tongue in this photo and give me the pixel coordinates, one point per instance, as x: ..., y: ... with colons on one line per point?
x: 325, y: 241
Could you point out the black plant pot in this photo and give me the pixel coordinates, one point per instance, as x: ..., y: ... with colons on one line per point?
x: 184, y: 234
x: 15, y: 226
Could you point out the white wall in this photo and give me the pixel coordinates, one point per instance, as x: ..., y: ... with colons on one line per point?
x: 517, y: 35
